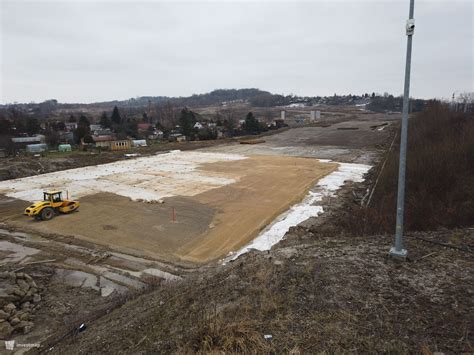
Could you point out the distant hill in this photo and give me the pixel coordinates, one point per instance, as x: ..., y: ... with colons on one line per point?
x: 254, y: 97
x: 215, y: 97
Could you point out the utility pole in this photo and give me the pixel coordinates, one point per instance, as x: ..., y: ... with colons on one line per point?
x: 398, y: 251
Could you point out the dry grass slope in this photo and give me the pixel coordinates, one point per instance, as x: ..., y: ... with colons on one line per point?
x: 439, y: 180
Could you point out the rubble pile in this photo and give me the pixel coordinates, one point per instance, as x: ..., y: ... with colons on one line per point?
x: 19, y: 298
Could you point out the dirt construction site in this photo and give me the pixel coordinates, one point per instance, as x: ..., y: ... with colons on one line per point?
x: 160, y: 216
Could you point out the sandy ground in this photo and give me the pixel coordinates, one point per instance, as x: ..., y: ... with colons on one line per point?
x: 270, y: 185
x: 208, y: 225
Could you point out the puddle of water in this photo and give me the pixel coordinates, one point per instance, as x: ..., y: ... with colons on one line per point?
x: 108, y: 272
x: 132, y: 283
x: 21, y: 236
x: 14, y: 234
x: 17, y: 252
x: 107, y: 287
x: 139, y: 263
x: 76, y: 278
x: 153, y: 272
x: 162, y: 274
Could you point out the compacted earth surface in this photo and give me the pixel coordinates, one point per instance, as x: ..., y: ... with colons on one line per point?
x: 191, y: 209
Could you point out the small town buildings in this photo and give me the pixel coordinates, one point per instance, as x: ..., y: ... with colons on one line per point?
x: 139, y: 143
x: 103, y: 132
x: 176, y: 137
x: 95, y: 127
x: 36, y: 148
x: 70, y: 126
x: 120, y: 145
x: 156, y: 135
x: 66, y: 137
x: 64, y: 148
x: 99, y: 130
x: 198, y: 125
x: 102, y: 141
x: 145, y: 127
x: 39, y: 138
x: 20, y: 143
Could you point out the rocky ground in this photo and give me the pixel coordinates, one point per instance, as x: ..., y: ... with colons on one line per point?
x: 19, y: 300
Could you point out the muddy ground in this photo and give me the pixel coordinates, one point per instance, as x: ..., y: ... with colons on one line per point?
x: 352, y: 139
x: 69, y: 297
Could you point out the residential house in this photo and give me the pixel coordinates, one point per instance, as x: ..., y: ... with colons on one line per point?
x: 95, y: 127
x: 103, y: 132
x: 145, y: 127
x: 20, y: 143
x: 120, y: 145
x: 198, y: 125
x: 156, y: 135
x: 139, y: 143
x: 176, y: 137
x: 37, y: 148
x: 70, y: 126
x: 103, y: 142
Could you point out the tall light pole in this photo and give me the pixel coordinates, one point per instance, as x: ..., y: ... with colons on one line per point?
x: 397, y: 250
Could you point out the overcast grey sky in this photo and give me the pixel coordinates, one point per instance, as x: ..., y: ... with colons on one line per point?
x: 85, y: 51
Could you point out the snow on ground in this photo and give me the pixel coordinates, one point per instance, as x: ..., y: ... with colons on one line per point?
x: 308, y: 208
x: 147, y: 178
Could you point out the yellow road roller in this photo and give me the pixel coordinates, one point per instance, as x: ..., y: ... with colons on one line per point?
x: 51, y: 205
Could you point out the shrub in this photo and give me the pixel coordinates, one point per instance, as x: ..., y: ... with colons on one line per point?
x: 439, y: 177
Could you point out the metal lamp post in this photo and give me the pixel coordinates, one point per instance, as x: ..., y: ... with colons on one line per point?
x: 398, y: 250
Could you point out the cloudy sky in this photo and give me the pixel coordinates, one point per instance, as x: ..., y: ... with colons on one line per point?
x: 86, y: 51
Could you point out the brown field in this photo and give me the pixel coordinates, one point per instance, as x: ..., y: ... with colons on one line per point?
x: 208, y: 226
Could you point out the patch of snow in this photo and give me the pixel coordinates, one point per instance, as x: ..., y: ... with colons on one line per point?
x: 296, y: 105
x: 141, y: 179
x: 308, y: 208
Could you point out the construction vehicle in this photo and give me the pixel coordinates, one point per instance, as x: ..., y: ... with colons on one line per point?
x: 51, y: 205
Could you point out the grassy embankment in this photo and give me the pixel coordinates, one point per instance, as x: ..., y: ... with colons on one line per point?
x: 439, y: 177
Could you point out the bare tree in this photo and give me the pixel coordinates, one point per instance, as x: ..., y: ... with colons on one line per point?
x: 466, y: 99
x: 167, y: 115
